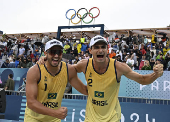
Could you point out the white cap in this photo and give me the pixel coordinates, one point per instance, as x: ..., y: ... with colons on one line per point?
x: 96, y: 39
x: 52, y: 43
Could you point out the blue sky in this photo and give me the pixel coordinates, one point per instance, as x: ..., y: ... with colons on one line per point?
x: 36, y: 16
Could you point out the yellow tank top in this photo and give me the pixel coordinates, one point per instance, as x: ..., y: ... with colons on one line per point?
x: 50, y: 93
x: 102, y: 104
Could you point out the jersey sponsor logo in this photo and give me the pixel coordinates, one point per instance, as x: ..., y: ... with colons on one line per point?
x: 99, y: 103
x: 50, y: 104
x: 99, y: 94
x: 45, y: 78
x: 52, y: 95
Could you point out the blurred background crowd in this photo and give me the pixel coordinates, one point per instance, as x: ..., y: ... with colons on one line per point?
x: 137, y: 51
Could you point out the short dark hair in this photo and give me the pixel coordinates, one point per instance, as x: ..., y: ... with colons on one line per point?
x: 11, y: 75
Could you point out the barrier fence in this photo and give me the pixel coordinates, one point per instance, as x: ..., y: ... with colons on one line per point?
x: 121, y: 99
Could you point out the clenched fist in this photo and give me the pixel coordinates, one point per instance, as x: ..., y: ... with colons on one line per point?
x: 158, y: 69
x: 62, y: 112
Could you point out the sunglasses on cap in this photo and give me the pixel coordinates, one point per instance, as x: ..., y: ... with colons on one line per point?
x: 54, y: 52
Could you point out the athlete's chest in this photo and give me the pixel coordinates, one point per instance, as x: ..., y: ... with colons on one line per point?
x: 98, y: 81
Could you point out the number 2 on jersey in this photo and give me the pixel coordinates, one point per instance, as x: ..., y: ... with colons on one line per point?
x: 90, y: 82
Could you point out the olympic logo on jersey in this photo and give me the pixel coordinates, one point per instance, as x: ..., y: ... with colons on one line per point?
x: 84, y: 15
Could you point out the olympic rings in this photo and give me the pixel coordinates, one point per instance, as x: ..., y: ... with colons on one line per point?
x: 74, y: 14
x: 79, y: 10
x: 78, y: 21
x: 93, y: 8
x: 84, y: 16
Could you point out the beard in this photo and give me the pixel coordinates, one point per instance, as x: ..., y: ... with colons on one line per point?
x: 50, y: 60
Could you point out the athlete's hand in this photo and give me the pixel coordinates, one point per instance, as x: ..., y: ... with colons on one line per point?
x: 62, y: 112
x: 158, y: 69
x: 42, y: 60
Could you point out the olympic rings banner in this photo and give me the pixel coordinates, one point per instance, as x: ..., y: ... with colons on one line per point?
x: 82, y: 17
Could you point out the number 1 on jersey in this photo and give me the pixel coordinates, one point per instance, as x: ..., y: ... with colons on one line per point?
x: 45, y: 87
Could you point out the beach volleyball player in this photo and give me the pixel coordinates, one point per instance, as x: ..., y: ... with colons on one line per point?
x: 46, y: 85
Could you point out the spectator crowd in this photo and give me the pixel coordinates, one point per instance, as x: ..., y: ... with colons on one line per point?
x: 137, y: 51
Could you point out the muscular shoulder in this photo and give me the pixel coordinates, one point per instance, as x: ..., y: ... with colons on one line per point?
x: 34, y: 69
x: 33, y: 73
x: 81, y: 65
x: 122, y: 68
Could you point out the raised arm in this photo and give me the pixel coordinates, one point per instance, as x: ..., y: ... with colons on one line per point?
x: 123, y: 69
x: 75, y: 81
x: 33, y: 76
x: 81, y: 66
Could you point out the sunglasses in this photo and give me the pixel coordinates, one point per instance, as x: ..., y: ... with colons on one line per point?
x: 54, y: 52
x: 98, y: 47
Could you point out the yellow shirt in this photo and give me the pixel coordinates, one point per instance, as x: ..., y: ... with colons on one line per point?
x: 82, y: 40
x: 79, y: 48
x: 165, y: 51
x: 66, y: 47
x: 50, y: 93
x: 153, y: 39
x: 102, y: 104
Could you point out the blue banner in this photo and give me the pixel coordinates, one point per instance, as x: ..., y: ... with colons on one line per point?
x: 3, y: 120
x: 18, y: 75
x: 13, y: 107
x: 159, y: 89
x: 131, y: 112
